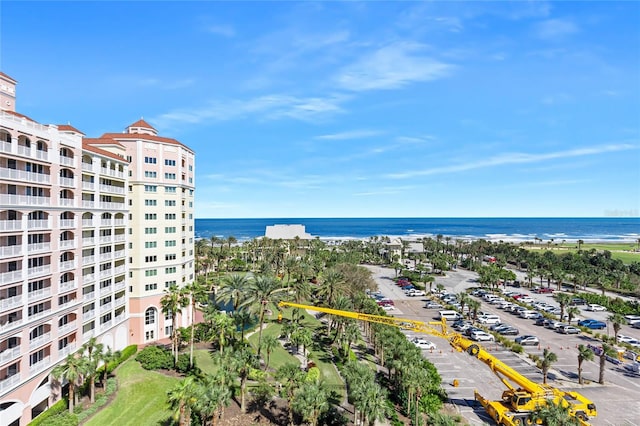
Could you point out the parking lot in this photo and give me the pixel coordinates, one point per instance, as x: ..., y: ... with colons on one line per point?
x: 616, y: 399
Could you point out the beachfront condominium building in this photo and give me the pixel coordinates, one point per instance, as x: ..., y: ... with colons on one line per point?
x: 78, y: 258
x: 161, y: 225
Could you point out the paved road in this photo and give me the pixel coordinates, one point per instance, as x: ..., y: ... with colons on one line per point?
x: 617, y: 400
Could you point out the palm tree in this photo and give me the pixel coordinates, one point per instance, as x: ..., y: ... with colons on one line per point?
x: 572, y: 312
x: 291, y: 378
x: 580, y: 243
x: 311, y: 401
x: 374, y: 402
x: 222, y: 327
x: 618, y: 321
x: 198, y: 294
x: 212, y: 398
x: 244, y: 361
x: 332, y: 282
x: 107, y: 357
x: 474, y: 306
x: 607, y: 350
x: 94, y: 354
x: 548, y: 358
x: 554, y: 414
x: 173, y: 301
x: 563, y: 300
x: 262, y: 291
x: 269, y: 344
x: 232, y: 290
x: 71, y: 371
x: 182, y: 398
x: 584, y: 354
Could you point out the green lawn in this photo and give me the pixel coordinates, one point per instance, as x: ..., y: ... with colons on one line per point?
x: 203, y: 360
x: 623, y: 251
x: 140, y: 399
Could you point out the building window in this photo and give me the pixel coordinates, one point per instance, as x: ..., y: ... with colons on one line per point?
x: 169, y: 162
x: 150, y: 160
x: 150, y: 287
x: 150, y: 316
x: 170, y: 257
x: 150, y: 188
x: 149, y: 259
x: 149, y: 174
x: 148, y: 335
x: 168, y: 284
x: 170, y: 189
x: 170, y: 176
x: 150, y: 244
x: 170, y: 229
x: 170, y: 216
x: 171, y: 270
x: 170, y: 243
x: 150, y: 202
x: 151, y: 273
x: 150, y: 216
x: 150, y: 230
x: 170, y: 203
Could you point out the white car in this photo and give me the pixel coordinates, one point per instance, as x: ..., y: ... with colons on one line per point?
x: 423, y: 343
x: 481, y: 336
x: 626, y: 339
x: 413, y: 293
x: 595, y: 308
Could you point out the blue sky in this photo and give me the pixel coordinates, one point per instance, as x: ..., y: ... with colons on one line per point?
x: 354, y: 109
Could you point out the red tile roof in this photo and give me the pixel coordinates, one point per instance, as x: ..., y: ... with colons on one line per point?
x: 68, y: 128
x: 90, y: 145
x: 143, y: 137
x: 142, y: 123
x: 7, y: 77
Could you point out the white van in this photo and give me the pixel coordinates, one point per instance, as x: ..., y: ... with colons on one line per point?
x: 528, y: 314
x: 450, y: 315
x: 489, y: 319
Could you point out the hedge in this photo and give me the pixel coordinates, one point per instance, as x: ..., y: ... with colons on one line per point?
x: 54, y: 410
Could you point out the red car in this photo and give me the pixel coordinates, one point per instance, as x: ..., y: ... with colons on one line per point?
x: 545, y: 290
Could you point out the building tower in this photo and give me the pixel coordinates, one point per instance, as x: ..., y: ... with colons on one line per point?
x: 161, y: 225
x: 63, y: 221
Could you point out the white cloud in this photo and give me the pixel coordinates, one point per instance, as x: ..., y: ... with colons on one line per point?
x: 223, y: 30
x: 514, y: 158
x: 353, y: 134
x: 270, y: 107
x: 392, y: 67
x: 555, y: 28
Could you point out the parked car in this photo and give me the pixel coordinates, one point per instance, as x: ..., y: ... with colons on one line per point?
x: 509, y: 331
x: 489, y: 319
x: 592, y: 324
x: 553, y: 324
x: 568, y: 329
x: 432, y: 305
x: 543, y: 290
x: 540, y: 321
x: 578, y: 302
x: 595, y: 308
x: 628, y: 339
x: 527, y: 340
x: 414, y: 292
x: 423, y: 343
x: 482, y: 336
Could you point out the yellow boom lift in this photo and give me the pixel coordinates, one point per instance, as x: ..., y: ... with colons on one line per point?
x: 522, y: 396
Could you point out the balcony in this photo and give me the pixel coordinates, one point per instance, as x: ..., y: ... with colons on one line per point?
x: 24, y: 176
x: 39, y: 366
x: 40, y: 314
x: 10, y: 225
x: 67, y: 223
x: 40, y: 340
x: 88, y: 334
x: 11, y: 325
x: 9, y: 382
x: 119, y: 254
x: 105, y: 290
x: 68, y: 202
x: 38, y: 271
x: 70, y: 326
x: 88, y: 278
x: 67, y: 303
x: 68, y: 265
x: 10, y: 251
x: 105, y: 222
x: 65, y: 181
x: 67, y: 285
x: 105, y: 273
x: 5, y: 147
x: 87, y: 223
x: 118, y: 238
x: 38, y: 294
x: 119, y: 222
x: 68, y: 244
x: 119, y: 285
x: 106, y: 239
x: 106, y: 307
x: 38, y: 224
x: 24, y: 150
x: 24, y: 200
x: 42, y: 155
x: 69, y: 349
x: 89, y: 204
x: 120, y: 270
x: 120, y: 318
x: 111, y: 172
x: 10, y: 277
x: 38, y: 247
x: 112, y: 206
x: 89, y: 241
x: 106, y: 325
x: 89, y: 296
x: 9, y: 354
x: 67, y: 161
x: 105, y: 256
x: 87, y: 167
x: 11, y: 302
x: 86, y: 260
x: 112, y: 189
x: 119, y: 302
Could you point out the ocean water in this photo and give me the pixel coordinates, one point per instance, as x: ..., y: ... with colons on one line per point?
x: 613, y: 229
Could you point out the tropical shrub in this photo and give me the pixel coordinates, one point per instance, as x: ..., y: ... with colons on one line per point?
x: 155, y: 358
x: 54, y: 410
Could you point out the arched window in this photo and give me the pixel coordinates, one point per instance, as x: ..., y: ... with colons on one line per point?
x: 150, y: 316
